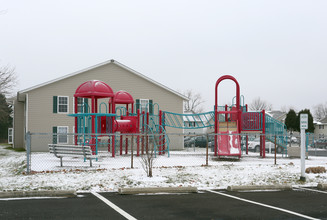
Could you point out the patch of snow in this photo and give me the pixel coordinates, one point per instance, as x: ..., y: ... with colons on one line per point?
x: 180, y: 169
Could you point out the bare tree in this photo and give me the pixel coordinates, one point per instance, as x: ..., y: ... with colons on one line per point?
x: 2, y: 12
x: 258, y: 105
x: 320, y: 111
x: 8, y: 79
x: 194, y: 103
x: 286, y: 109
x: 147, y: 159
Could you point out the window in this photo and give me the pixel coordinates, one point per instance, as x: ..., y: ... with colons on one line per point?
x: 321, y: 126
x: 185, y: 124
x: 189, y: 124
x: 82, y: 105
x: 144, y: 105
x: 62, y: 104
x: 62, y: 137
x: 10, y: 135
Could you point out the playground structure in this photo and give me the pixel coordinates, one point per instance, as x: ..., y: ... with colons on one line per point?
x: 92, y: 124
x: 118, y: 117
x: 238, y: 120
x: 232, y: 122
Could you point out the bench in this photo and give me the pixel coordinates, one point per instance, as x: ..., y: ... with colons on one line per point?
x: 60, y: 150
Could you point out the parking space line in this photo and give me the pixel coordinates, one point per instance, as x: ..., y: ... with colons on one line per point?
x: 313, y: 190
x: 264, y: 205
x: 113, y: 206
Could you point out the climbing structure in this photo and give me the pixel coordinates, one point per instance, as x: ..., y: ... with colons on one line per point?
x: 116, y: 117
x: 96, y: 121
x: 235, y: 120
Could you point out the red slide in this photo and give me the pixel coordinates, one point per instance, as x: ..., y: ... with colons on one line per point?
x: 229, y: 144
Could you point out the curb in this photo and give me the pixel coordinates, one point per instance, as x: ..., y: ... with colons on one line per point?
x: 129, y: 191
x: 322, y: 186
x: 16, y: 194
x: 259, y: 187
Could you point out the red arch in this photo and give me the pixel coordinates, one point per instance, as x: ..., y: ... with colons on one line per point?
x: 216, y: 105
x: 237, y: 91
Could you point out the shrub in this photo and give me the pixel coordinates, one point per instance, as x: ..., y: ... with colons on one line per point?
x: 315, y: 170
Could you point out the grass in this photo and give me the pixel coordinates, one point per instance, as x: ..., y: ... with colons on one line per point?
x: 14, y: 149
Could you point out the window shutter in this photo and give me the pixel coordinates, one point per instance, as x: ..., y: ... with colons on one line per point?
x: 55, y: 104
x: 151, y: 107
x: 54, y: 136
x: 86, y: 104
x: 137, y: 104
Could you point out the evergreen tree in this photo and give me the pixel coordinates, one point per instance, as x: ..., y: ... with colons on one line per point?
x: 311, y: 127
x: 291, y: 122
x: 5, y: 118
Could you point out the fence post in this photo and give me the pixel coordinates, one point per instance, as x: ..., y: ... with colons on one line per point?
x: 264, y: 134
x: 28, y: 152
x: 275, y: 150
x: 132, y: 153
x: 247, y: 144
x: 207, y: 162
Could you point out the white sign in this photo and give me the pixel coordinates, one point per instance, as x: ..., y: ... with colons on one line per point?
x: 304, y: 121
x: 303, y: 126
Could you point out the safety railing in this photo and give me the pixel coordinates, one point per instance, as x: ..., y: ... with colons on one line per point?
x: 252, y: 121
x: 275, y: 128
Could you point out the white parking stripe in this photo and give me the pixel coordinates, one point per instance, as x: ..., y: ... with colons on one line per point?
x: 313, y: 190
x: 264, y: 205
x: 116, y: 208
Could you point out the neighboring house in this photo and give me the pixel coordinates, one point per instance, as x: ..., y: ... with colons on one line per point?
x: 191, y: 123
x: 321, y: 129
x: 44, y: 108
x: 278, y: 115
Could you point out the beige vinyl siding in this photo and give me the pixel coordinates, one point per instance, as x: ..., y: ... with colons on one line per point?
x: 19, y: 124
x: 320, y: 131
x: 42, y: 119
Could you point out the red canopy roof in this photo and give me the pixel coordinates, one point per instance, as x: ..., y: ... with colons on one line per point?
x: 123, y: 97
x: 95, y: 88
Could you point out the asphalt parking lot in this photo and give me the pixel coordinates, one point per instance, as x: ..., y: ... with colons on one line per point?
x: 217, y: 204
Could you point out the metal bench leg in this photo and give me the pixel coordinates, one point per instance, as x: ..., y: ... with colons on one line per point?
x: 90, y: 162
x: 61, y: 161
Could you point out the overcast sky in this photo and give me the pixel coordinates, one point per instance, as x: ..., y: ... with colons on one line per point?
x: 277, y: 50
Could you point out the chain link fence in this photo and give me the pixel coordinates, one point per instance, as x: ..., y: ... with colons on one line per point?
x: 128, y: 150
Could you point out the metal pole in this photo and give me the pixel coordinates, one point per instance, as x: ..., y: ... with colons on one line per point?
x: 275, y: 150
x: 264, y: 134
x: 121, y: 144
x: 207, y: 162
x: 132, y: 154
x: 138, y: 145
x: 302, y: 178
x: 126, y: 145
x: 28, y: 152
x: 303, y: 126
x: 247, y: 144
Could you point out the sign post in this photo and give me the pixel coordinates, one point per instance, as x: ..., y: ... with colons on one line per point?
x: 303, y: 126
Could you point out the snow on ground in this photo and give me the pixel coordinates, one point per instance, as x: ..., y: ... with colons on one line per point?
x: 180, y: 169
